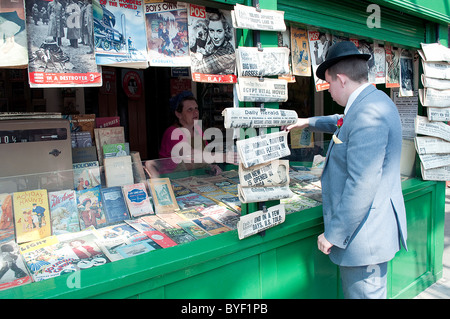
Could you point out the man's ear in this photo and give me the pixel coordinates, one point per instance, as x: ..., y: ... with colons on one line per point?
x: 342, y: 78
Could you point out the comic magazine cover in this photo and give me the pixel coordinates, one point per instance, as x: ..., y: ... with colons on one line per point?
x: 319, y: 44
x: 63, y: 211
x: 61, y: 44
x: 13, y: 271
x: 167, y: 34
x: 119, y: 33
x: 31, y: 215
x: 13, y: 47
x: 211, y: 45
x: 86, y: 175
x: 301, y: 61
x: 6, y: 218
x: 90, y: 208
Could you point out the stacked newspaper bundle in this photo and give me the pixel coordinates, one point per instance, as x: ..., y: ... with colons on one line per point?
x: 434, y: 149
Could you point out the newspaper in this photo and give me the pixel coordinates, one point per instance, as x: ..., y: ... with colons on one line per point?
x: 260, y: 220
x: 434, y: 160
x: 250, y: 18
x: 438, y: 114
x: 438, y: 70
x: 431, y: 145
x: 266, y: 90
x: 436, y: 174
x: 264, y: 148
x: 262, y: 194
x: 274, y: 173
x: 436, y: 98
x: 251, y: 61
x: 436, y: 129
x: 438, y: 84
x: 435, y: 52
x: 407, y: 108
x: 245, y: 117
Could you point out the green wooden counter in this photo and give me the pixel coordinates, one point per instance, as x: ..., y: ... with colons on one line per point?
x: 285, y: 263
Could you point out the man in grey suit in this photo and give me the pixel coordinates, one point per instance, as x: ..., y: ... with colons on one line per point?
x: 363, y: 207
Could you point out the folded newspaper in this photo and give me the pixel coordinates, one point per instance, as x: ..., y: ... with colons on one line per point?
x: 260, y: 220
x: 274, y: 173
x: 438, y: 70
x: 434, y: 160
x: 251, y: 61
x: 433, y: 83
x: 435, y: 52
x: 256, y: 117
x: 436, y: 129
x: 433, y: 97
x: 436, y: 174
x: 263, y: 148
x: 438, y: 113
x: 250, y: 89
x: 262, y: 194
x: 245, y: 17
x: 431, y: 145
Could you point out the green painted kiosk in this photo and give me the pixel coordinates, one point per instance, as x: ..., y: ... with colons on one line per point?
x: 285, y: 261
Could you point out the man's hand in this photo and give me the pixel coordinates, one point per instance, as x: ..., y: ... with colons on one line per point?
x: 323, y: 244
x: 301, y: 123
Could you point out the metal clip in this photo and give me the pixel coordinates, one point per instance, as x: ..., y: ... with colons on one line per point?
x: 259, y: 46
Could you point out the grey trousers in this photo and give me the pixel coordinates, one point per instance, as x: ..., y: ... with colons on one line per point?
x: 364, y: 282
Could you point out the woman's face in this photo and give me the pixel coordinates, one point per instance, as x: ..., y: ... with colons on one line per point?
x: 217, y: 32
x: 189, y: 114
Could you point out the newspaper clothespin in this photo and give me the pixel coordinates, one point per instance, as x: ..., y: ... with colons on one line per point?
x: 259, y: 46
x: 257, y: 6
x: 261, y: 106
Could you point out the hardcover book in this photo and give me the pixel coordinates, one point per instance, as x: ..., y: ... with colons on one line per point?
x: 115, y: 207
x: 63, y: 211
x: 31, y: 215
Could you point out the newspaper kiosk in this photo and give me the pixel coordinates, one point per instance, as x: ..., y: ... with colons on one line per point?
x: 284, y: 261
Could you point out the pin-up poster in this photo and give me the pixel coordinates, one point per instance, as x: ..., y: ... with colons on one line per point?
x: 61, y: 44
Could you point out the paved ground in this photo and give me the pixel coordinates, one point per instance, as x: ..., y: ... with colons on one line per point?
x: 441, y: 289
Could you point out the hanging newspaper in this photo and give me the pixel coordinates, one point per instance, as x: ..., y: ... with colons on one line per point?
x: 263, y: 148
x: 431, y: 145
x: 433, y: 83
x: 256, y: 117
x: 436, y: 129
x: 436, y: 174
x: 438, y: 70
x: 265, y: 90
x: 435, y: 52
x: 262, y: 194
x: 260, y: 220
x: 56, y: 58
x: 274, y: 173
x: 211, y: 45
x: 407, y: 108
x: 119, y: 32
x: 430, y: 161
x: 252, y: 61
x: 167, y: 34
x: 438, y: 113
x: 436, y: 98
x: 13, y: 45
x: 245, y: 17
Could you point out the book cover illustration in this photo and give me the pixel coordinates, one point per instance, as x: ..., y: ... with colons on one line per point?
x: 190, y: 213
x: 180, y: 190
x: 6, y: 218
x: 55, y: 56
x: 167, y: 34
x: 64, y: 212
x: 90, y: 208
x: 86, y: 175
x: 137, y: 199
x: 194, y: 200
x: 211, y: 45
x: 13, y: 49
x: 116, y: 150
x: 193, y: 230
x: 114, y: 203
x: 13, y: 271
x: 178, y: 235
x: 228, y: 219
x: 163, y: 196
x: 119, y: 33
x: 31, y: 215
x: 210, y: 225
x: 107, y: 135
x: 301, y: 62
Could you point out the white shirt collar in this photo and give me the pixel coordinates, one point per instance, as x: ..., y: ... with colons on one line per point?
x: 354, y: 95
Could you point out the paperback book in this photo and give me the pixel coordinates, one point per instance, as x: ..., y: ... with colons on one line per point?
x: 90, y: 208
x: 114, y: 203
x: 63, y: 211
x: 137, y: 199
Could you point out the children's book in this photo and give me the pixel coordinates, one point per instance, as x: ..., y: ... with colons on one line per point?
x: 13, y: 272
x: 31, y: 215
x: 137, y: 199
x: 90, y: 208
x: 6, y: 218
x: 63, y: 211
x: 115, y: 207
x: 86, y: 175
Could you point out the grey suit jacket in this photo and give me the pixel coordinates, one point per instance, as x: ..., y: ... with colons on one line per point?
x: 363, y: 207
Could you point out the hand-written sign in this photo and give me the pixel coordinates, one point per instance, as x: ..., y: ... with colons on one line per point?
x: 260, y: 220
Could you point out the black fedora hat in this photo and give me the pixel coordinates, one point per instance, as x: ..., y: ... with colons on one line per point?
x: 338, y: 52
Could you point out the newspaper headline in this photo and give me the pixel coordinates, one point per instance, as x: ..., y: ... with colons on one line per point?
x: 260, y: 220
x: 252, y: 61
x: 245, y: 17
x: 251, y: 89
x: 273, y: 173
x: 257, y: 117
x: 261, y: 194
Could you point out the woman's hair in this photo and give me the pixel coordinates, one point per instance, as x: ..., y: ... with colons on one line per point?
x: 218, y: 16
x: 355, y: 68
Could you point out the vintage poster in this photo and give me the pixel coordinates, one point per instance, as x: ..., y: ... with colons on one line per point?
x: 119, y: 33
x: 61, y: 45
x: 392, y: 67
x: 319, y: 44
x: 167, y: 34
x: 211, y: 45
x: 301, y: 60
x: 13, y: 37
